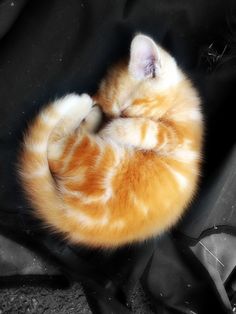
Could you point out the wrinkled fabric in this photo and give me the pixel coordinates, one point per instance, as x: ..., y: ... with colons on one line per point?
x: 16, y: 259
x: 49, y: 48
x: 218, y: 255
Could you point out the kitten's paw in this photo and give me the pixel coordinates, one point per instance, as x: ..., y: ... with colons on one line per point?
x: 73, y: 104
x: 93, y: 120
x: 85, y: 98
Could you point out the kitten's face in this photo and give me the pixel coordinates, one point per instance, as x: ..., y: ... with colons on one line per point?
x: 131, y: 84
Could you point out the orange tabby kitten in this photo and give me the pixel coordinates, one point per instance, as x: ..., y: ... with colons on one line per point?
x: 132, y: 179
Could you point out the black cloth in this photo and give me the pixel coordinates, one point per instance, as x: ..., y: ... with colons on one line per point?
x: 49, y: 48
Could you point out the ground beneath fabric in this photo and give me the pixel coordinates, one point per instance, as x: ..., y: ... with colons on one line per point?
x: 29, y: 299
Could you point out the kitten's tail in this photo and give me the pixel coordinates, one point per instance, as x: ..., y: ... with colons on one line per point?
x: 38, y: 182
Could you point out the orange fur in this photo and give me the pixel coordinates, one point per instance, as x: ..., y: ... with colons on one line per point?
x: 136, y: 176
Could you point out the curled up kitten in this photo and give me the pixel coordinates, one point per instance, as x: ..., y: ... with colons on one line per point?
x: 134, y: 178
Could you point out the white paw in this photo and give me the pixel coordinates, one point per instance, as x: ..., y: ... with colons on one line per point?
x: 93, y: 119
x: 74, y: 104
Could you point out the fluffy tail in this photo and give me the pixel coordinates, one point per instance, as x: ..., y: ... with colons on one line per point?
x: 38, y: 183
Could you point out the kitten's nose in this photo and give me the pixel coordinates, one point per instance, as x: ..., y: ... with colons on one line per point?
x: 124, y: 114
x: 124, y: 106
x: 124, y: 109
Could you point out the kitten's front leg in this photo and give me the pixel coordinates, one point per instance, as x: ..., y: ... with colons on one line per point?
x: 135, y: 132
x: 93, y: 120
x: 143, y: 133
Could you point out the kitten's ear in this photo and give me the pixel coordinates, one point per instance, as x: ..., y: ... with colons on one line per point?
x: 144, y: 58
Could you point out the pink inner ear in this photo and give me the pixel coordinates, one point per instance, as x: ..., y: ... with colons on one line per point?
x: 144, y: 58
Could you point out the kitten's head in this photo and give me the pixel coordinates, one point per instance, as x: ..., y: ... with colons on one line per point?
x: 133, y: 83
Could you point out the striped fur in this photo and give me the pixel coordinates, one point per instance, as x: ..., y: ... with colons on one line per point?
x: 135, y: 177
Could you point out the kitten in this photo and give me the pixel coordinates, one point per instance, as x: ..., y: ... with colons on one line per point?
x: 134, y: 178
